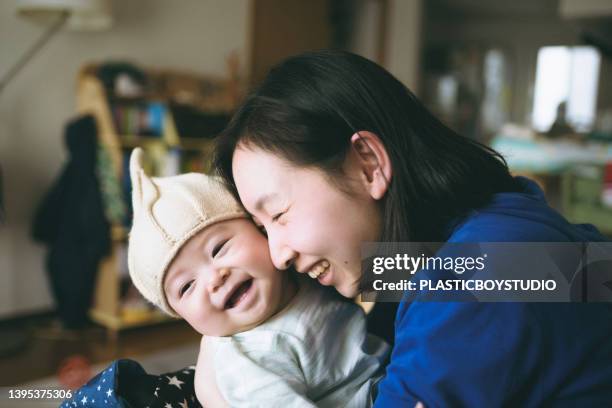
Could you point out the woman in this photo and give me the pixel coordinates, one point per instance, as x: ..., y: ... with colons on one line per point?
x: 332, y: 151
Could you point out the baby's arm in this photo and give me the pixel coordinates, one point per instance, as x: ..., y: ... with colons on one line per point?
x: 205, y: 382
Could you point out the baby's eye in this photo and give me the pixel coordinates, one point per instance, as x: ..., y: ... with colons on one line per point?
x: 218, y: 247
x: 185, y: 288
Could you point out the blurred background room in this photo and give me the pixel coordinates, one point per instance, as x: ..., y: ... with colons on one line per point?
x: 82, y: 82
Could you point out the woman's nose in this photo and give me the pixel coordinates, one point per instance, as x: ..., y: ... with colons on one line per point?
x: 217, y: 279
x: 282, y: 255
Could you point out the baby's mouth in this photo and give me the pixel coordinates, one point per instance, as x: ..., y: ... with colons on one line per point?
x: 238, y: 294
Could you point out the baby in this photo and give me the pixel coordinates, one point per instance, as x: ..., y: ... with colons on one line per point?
x: 270, y: 338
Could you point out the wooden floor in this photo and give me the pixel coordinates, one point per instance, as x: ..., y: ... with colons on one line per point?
x: 47, y: 348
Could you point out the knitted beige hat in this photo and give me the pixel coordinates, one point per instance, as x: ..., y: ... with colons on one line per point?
x: 168, y: 211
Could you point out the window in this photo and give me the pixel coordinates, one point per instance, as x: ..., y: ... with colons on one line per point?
x: 570, y: 75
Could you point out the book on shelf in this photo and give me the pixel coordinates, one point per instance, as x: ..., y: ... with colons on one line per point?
x: 139, y: 119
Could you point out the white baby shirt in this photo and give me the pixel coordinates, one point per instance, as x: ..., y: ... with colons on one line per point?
x: 314, y: 353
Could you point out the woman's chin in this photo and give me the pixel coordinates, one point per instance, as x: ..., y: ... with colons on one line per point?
x: 348, y: 290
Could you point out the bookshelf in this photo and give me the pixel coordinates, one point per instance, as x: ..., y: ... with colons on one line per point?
x: 148, y: 121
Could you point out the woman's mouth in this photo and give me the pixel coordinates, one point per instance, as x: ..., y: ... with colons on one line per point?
x: 319, y: 271
x: 240, y: 293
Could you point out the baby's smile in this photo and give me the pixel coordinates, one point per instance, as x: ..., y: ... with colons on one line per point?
x: 239, y: 295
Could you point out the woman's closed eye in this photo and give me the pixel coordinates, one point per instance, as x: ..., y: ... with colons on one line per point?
x: 277, y: 217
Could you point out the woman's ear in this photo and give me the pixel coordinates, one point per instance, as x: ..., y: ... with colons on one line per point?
x: 372, y: 162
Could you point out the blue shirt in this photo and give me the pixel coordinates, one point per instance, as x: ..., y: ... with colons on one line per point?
x: 503, y: 354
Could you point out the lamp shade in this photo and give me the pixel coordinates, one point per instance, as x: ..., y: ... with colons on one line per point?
x: 82, y: 15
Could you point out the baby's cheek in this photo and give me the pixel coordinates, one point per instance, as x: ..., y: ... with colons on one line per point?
x: 259, y: 255
x: 264, y: 266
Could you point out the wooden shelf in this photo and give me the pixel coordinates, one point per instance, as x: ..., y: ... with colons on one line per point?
x: 184, y: 143
x: 136, y: 141
x: 119, y: 233
x: 196, y: 143
x: 107, y: 308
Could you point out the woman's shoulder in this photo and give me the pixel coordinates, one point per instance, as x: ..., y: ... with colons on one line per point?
x: 519, y: 217
x: 517, y: 341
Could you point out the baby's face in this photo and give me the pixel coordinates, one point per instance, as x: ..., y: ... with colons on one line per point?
x: 223, y: 281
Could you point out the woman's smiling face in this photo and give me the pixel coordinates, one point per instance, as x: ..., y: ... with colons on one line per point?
x: 309, y: 221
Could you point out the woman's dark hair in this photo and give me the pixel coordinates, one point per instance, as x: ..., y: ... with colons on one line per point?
x: 310, y: 105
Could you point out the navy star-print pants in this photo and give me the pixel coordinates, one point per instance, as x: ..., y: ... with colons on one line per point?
x: 126, y: 384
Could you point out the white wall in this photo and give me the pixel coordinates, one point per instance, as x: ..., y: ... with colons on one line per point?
x: 195, y: 35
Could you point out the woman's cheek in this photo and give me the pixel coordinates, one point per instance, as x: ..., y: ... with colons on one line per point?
x: 307, y: 239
